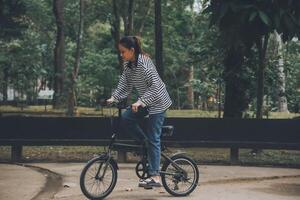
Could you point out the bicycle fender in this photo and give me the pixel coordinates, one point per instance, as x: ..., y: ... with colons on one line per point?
x: 173, y: 156
x: 178, y: 154
x: 104, y: 156
x: 113, y: 162
x: 183, y: 154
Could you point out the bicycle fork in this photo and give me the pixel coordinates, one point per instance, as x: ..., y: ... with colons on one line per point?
x: 107, y: 156
x: 104, y: 169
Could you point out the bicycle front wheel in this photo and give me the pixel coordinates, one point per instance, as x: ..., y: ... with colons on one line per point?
x: 181, y: 177
x: 98, y: 178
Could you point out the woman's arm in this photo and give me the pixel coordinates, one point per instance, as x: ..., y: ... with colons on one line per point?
x: 153, y: 81
x: 124, y: 86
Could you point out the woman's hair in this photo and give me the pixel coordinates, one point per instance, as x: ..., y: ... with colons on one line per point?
x: 132, y: 42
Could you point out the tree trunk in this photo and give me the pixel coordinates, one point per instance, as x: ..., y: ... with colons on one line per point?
x: 115, y: 31
x: 130, y: 18
x: 282, y: 101
x: 190, y: 92
x: 74, y: 74
x: 235, y: 87
x: 262, y: 45
x: 158, y: 39
x: 5, y: 84
x: 219, y: 97
x: 59, y: 55
x: 177, y: 89
x: 146, y: 14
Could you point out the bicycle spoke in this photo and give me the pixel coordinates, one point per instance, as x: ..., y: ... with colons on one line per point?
x: 180, y: 176
x: 96, y: 185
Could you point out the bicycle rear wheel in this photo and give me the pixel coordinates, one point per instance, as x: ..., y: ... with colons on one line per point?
x: 98, y: 178
x: 180, y: 181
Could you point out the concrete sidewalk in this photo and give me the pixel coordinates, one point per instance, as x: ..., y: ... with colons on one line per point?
x: 216, y: 183
x: 18, y: 182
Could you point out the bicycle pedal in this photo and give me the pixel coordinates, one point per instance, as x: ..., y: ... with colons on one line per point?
x: 148, y: 187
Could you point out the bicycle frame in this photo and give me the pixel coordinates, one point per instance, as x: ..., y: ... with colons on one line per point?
x: 173, y: 163
x: 113, y: 145
x: 104, y: 165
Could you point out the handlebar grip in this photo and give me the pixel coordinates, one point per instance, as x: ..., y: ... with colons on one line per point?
x: 119, y: 105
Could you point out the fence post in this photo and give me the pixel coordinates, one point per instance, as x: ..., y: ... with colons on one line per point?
x: 16, y: 153
x: 234, y: 155
x: 122, y: 156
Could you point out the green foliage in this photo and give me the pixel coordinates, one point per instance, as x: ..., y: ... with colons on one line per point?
x: 97, y: 76
x: 11, y: 15
x: 253, y: 19
x: 245, y: 24
x: 28, y: 58
x: 28, y: 34
x: 292, y: 62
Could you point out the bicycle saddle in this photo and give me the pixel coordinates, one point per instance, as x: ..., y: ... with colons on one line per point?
x: 167, y: 131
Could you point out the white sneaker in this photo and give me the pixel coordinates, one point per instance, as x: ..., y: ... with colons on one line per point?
x: 149, y: 183
x: 142, y: 182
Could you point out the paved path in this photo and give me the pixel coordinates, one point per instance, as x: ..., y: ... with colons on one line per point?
x: 17, y: 182
x: 216, y: 183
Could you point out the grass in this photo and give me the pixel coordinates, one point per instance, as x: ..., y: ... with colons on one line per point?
x: 40, y: 110
x: 192, y: 113
x: 84, y: 111
x: 271, y: 157
x: 53, y: 153
x: 286, y: 158
x: 246, y: 157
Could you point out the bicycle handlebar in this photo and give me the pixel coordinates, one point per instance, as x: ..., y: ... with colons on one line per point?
x: 119, y: 105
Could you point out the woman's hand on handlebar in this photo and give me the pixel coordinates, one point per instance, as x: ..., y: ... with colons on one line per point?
x: 136, y: 105
x: 111, y: 100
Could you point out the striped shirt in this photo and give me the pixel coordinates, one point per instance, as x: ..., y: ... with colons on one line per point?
x: 145, y: 79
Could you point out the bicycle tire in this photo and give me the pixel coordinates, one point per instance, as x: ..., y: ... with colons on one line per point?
x: 180, y: 177
x: 91, y: 169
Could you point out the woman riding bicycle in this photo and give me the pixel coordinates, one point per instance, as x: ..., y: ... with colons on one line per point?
x: 140, y: 73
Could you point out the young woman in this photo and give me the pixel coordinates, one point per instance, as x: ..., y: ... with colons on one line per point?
x: 140, y: 73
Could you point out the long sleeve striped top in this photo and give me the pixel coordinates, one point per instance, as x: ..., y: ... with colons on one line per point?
x: 144, y: 77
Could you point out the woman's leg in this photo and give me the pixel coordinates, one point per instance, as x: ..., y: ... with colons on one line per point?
x: 153, y: 133
x: 129, y: 123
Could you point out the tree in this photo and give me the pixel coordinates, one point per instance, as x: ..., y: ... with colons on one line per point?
x: 128, y: 18
x: 292, y: 72
x: 11, y: 27
x: 124, y: 10
x: 74, y: 74
x: 189, y: 45
x: 59, y: 55
x: 179, y: 38
x: 158, y: 39
x: 248, y: 24
x: 11, y: 12
x: 115, y: 28
x: 282, y: 101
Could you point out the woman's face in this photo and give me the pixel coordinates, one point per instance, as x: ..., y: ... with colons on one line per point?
x: 126, y: 54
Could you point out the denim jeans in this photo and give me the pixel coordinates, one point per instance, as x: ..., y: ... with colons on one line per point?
x: 151, y: 137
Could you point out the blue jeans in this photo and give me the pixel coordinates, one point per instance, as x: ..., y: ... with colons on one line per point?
x: 151, y: 137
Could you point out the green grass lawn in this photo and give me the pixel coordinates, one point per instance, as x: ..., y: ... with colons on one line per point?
x: 84, y: 111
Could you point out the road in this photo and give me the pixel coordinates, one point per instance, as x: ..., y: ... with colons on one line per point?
x: 60, y: 181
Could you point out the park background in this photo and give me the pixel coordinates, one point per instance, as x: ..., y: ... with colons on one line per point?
x: 231, y: 59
